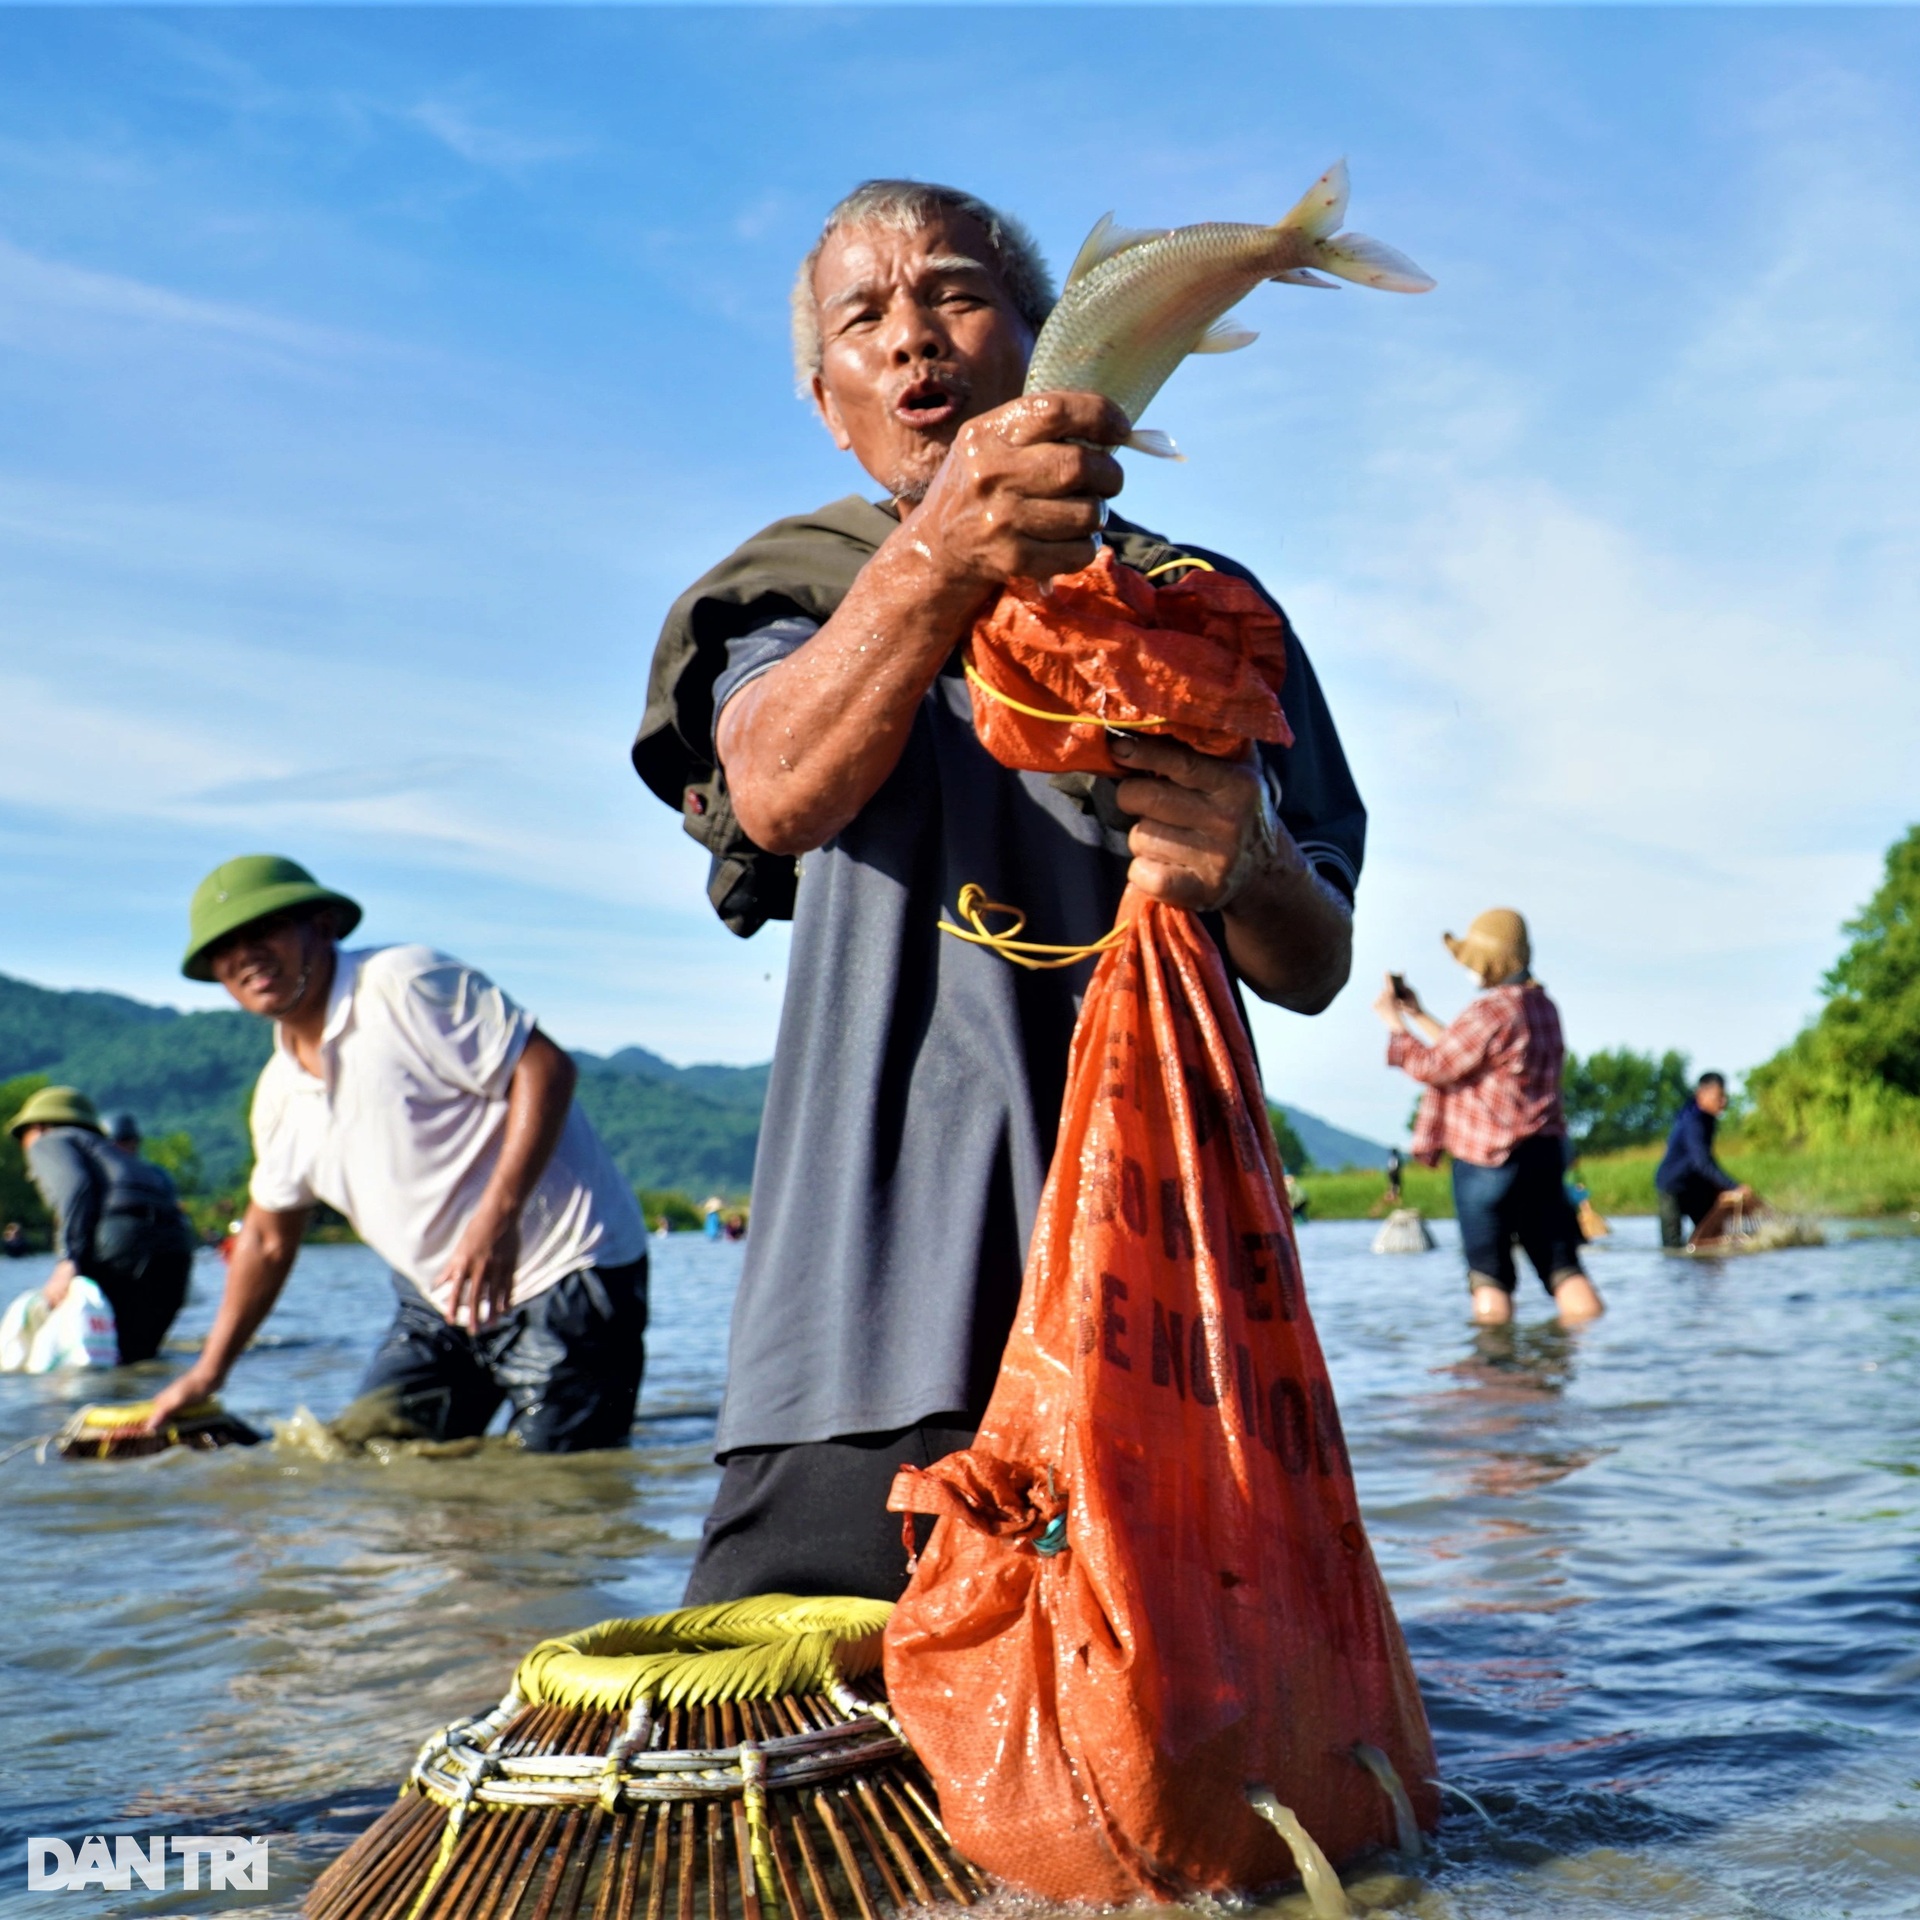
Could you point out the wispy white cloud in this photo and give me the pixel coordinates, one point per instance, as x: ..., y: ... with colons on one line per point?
x: 40, y: 298
x: 484, y: 136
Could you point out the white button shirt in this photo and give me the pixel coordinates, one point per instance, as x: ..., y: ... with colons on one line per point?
x: 403, y: 1127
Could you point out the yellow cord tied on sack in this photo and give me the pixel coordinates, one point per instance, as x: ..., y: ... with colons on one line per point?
x: 1037, y: 956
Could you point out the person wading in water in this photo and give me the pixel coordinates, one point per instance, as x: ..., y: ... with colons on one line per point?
x: 1493, y: 1103
x: 808, y: 718
x: 116, y: 1218
x: 409, y: 1093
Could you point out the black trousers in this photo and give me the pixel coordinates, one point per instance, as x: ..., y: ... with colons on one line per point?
x: 1688, y: 1206
x: 145, y: 1289
x: 813, y: 1519
x: 570, y: 1361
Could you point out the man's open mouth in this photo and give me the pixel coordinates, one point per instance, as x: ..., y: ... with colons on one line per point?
x: 927, y: 403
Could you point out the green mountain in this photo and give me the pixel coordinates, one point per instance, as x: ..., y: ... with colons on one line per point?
x: 666, y: 1126
x: 191, y: 1072
x: 692, y: 1128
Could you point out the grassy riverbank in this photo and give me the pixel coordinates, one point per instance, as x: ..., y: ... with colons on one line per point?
x: 1845, y: 1181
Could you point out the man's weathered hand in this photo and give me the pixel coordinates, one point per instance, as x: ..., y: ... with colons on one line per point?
x: 1206, y: 826
x: 1017, y: 496
x: 480, y: 1272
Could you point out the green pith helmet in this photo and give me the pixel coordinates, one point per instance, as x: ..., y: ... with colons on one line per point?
x: 248, y: 889
x: 55, y: 1107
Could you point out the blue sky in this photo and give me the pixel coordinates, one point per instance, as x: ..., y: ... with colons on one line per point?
x: 371, y: 381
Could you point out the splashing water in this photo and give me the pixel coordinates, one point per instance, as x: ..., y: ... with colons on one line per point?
x: 1325, y: 1894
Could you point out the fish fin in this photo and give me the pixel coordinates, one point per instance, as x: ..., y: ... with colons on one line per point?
x: 1104, y: 242
x: 1152, y: 440
x: 1323, y: 206
x: 1371, y: 263
x: 1224, y: 336
x: 1303, y: 277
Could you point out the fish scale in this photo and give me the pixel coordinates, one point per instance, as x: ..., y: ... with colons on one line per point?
x: 1136, y: 304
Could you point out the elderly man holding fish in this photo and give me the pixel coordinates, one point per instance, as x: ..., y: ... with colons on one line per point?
x: 809, y: 718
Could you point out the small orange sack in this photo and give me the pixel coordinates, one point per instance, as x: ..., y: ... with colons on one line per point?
x: 1201, y: 657
x: 1151, y: 1588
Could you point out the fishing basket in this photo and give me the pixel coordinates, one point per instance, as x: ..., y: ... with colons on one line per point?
x: 119, y: 1432
x: 729, y: 1762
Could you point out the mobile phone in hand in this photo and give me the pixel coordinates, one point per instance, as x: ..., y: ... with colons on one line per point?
x: 1401, y: 991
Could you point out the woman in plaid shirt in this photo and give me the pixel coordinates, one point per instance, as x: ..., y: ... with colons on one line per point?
x: 1493, y: 1103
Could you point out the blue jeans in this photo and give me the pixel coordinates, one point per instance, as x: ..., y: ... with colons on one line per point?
x: 1523, y: 1200
x: 570, y: 1361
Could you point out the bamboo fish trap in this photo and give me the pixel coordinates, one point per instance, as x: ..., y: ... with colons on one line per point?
x: 119, y: 1432
x: 730, y: 1762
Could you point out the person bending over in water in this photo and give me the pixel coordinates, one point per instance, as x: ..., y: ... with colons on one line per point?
x: 1493, y: 1102
x: 407, y: 1091
x: 116, y: 1218
x: 1693, y: 1186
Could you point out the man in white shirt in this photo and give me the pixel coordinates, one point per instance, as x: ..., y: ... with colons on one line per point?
x: 408, y: 1092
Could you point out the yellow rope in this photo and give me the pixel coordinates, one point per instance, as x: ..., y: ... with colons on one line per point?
x: 1037, y: 956
x: 101, y: 1418
x: 1065, y: 719
x: 737, y: 1650
x: 1186, y: 560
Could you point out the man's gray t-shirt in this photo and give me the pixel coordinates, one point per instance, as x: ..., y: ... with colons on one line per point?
x: 918, y: 1079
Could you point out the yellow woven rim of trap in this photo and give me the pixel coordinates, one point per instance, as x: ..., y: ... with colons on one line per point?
x: 136, y: 1413
x: 752, y: 1649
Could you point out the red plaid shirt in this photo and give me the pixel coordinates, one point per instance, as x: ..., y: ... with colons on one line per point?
x: 1492, y: 1079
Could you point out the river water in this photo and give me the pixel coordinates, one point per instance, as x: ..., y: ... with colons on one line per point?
x: 1659, y: 1580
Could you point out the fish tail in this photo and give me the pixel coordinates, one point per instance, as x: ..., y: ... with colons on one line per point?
x: 1347, y: 256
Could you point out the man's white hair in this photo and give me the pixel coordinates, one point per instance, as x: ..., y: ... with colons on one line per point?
x: 906, y: 206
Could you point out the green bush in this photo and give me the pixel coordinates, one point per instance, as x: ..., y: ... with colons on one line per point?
x: 1852, y: 1078
x: 1293, y: 1155
x: 19, y: 1198
x: 1618, y: 1098
x: 680, y: 1211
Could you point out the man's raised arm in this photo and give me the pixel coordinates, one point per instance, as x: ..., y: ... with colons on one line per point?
x: 808, y: 743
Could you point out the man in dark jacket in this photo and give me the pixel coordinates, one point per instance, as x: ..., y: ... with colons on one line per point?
x: 808, y: 716
x: 116, y: 1218
x: 1693, y: 1186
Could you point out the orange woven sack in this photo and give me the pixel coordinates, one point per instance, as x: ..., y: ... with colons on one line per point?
x: 1150, y: 1589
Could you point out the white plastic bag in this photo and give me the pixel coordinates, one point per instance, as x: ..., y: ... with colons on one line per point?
x: 79, y: 1332
x: 26, y: 1314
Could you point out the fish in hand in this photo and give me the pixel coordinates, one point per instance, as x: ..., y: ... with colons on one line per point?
x: 1136, y: 302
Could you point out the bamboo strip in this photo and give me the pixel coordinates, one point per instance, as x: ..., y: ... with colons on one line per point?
x: 816, y: 1876
x: 716, y: 1865
x: 857, y: 1814
x: 783, y: 1868
x: 391, y: 1881
x: 657, y: 1887
x: 404, y: 1867
x: 466, y: 1874
x: 687, y: 1860
x: 856, y: 1881
x: 529, y: 1865
x: 924, y: 1840
x: 508, y: 1834
x: 896, y: 1843
x: 556, y: 1866
x: 585, y: 1857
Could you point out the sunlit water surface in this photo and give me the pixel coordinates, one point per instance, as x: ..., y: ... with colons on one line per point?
x: 1659, y: 1579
